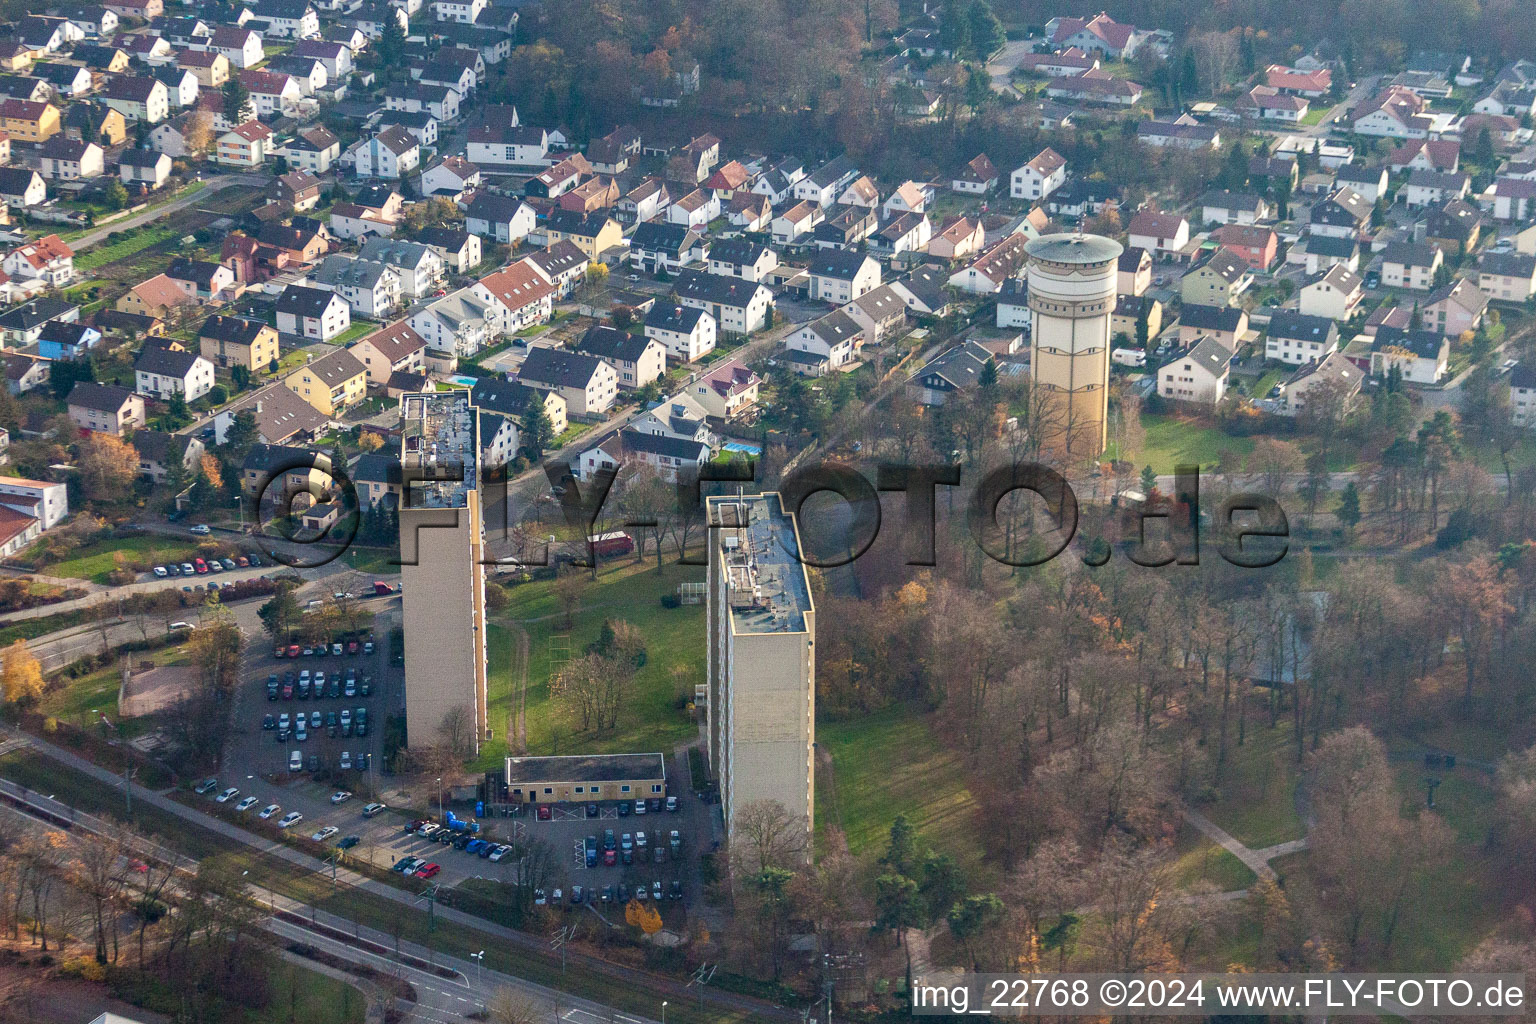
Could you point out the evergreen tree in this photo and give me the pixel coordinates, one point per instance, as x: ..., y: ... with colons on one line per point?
x: 236, y: 100
x: 1483, y: 153
x: 242, y: 433
x: 392, y: 46
x: 1148, y: 480
x: 984, y: 32
x: 952, y: 29
x: 1349, y: 506
x: 1189, y: 74
x: 1245, y: 54
x: 538, y: 432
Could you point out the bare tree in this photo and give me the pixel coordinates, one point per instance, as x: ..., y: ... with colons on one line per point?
x: 765, y: 835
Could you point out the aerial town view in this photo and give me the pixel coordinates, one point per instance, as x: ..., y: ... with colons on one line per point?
x: 766, y: 511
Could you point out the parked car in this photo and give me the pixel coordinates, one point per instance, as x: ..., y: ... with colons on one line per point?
x: 208, y: 785
x: 268, y: 811
x: 347, y: 842
x: 290, y: 819
x: 345, y: 763
x: 269, y: 722
x: 341, y: 796
x: 371, y: 809
x: 671, y: 804
x: 544, y: 812
x: 246, y: 804
x: 160, y: 572
x: 321, y: 835
x: 677, y: 889
x: 201, y: 529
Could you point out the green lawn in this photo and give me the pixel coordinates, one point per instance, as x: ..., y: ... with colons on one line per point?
x: 570, y: 434
x: 74, y: 701
x: 94, y: 561
x: 1257, y: 785
x: 297, y: 993
x: 886, y: 764
x: 1171, y: 441
x: 357, y: 330
x: 1201, y: 860
x: 651, y: 718
x: 122, y: 248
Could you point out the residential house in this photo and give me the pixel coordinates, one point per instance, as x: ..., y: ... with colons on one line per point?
x: 986, y: 274
x: 1443, y: 155
x: 518, y: 401
x: 728, y: 391
x: 245, y: 145
x: 1227, y: 207
x: 976, y: 178
x: 68, y: 81
x: 519, y: 145
x: 1297, y: 338
x: 163, y: 454
x: 138, y: 98
x: 880, y: 313
x: 1095, y: 87
x: 308, y: 73
x: 1255, y: 245
x: 312, y: 313
x: 1198, y: 375
x: 1313, y: 84
x: 1157, y: 232
x: 1522, y: 395
x: 156, y: 297
x: 204, y: 281
x: 1184, y: 132
x: 297, y: 190
x: 105, y: 408
x: 24, y: 373
x: 1133, y: 271
x: 230, y: 341
x: 1217, y: 281
x: 240, y: 46
x: 958, y: 238
x: 1370, y: 183
x: 64, y: 339
x: 26, y: 121
x: 1336, y: 294
x: 47, y: 503
x: 1227, y: 324
x: 332, y: 383
x: 743, y: 258
x: 48, y: 259
x: 389, y: 350
x: 840, y: 275
x: 101, y: 58
x: 1410, y: 265
x: 1269, y: 104
x: 738, y: 307
x: 955, y: 370
x: 1455, y: 308
x: 459, y: 324
x: 336, y: 57
x: 164, y: 372
x: 520, y: 296
x: 392, y: 153
x: 1334, y: 377
x: 459, y: 250
x: 685, y: 332
x: 1427, y: 188
x: 1099, y: 34
x: 1507, y: 276
x: 592, y: 233
x: 313, y: 148
x: 371, y: 289
x: 210, y: 67
x: 562, y: 265
x: 288, y: 19
x: 449, y: 176
x: 643, y: 202
x: 1455, y: 225
x: 503, y: 219
x: 143, y: 167
x: 1131, y: 312
x: 638, y: 358
x: 613, y: 152
x: 1343, y: 214
x: 588, y: 384
x: 1040, y: 176
x: 824, y: 344
x: 1421, y: 356
x: 827, y: 183
x: 656, y: 248
x: 181, y: 85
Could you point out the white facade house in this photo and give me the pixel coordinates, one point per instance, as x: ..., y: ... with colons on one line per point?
x: 392, y: 153
x: 1199, y: 375
x: 1041, y: 176
x: 163, y: 373
x: 687, y: 332
x: 312, y: 313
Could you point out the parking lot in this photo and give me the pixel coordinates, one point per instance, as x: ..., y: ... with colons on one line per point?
x: 257, y: 761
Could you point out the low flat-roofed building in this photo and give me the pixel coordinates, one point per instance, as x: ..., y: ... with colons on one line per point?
x: 585, y: 778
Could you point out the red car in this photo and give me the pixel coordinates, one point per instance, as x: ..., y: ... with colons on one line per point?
x: 352, y: 647
x: 544, y: 812
x: 428, y: 870
x: 287, y: 691
x: 610, y: 858
x: 293, y: 650
x: 201, y: 566
x: 439, y: 293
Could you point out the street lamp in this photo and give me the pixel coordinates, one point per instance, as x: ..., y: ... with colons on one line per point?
x: 439, y: 798
x: 663, y: 1011
x: 479, y: 959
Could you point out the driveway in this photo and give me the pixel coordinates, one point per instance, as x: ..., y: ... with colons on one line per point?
x: 1001, y: 67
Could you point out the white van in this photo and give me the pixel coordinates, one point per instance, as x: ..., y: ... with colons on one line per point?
x: 1128, y: 357
x: 295, y: 761
x: 180, y: 625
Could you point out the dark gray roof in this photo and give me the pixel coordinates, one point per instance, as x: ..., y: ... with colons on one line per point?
x: 161, y: 447
x: 610, y: 343
x: 1288, y: 323
x: 1423, y: 344
x: 1508, y: 264
x: 101, y: 397
x: 301, y: 301
x: 488, y: 206
x: 716, y: 288
x: 507, y: 398
x: 960, y: 367
x: 165, y: 362
x: 842, y: 264
x: 1210, y: 318
x: 232, y: 328
x: 335, y: 367
x: 1207, y: 352
x: 1410, y: 254
x: 34, y: 314
x: 560, y: 367
x: 654, y: 236
x: 664, y: 444
x: 738, y: 252
x: 1328, y: 245
x: 668, y: 316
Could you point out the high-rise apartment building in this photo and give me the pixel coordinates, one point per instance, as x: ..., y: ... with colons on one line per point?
x: 762, y: 658
x: 441, y: 546
x: 1071, y: 298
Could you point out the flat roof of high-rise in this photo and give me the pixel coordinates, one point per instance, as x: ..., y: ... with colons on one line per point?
x: 585, y: 768
x: 769, y: 590
x: 437, y: 449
